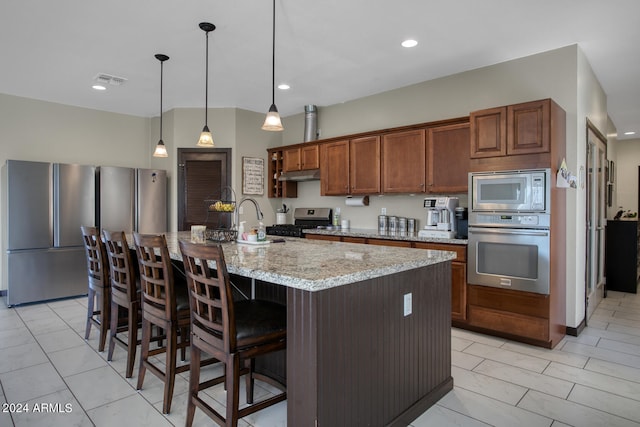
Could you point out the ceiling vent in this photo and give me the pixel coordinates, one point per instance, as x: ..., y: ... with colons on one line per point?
x: 105, y: 79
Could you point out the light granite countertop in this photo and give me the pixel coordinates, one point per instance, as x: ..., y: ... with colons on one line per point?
x: 376, y: 234
x: 314, y: 265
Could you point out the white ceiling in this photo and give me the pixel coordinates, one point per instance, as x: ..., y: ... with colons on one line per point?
x: 329, y: 51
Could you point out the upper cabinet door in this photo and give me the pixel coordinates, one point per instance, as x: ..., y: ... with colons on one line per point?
x: 309, y: 157
x: 291, y: 160
x: 334, y: 171
x: 404, y: 162
x: 301, y: 158
x: 488, y: 133
x: 364, y: 165
x: 528, y: 127
x: 448, y: 158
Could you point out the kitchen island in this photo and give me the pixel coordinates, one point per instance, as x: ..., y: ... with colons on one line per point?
x: 369, y: 337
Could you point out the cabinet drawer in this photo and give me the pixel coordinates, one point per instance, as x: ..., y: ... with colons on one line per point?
x: 385, y: 242
x: 323, y: 237
x: 460, y: 250
x: 509, y: 323
x: 507, y: 300
x: 349, y: 239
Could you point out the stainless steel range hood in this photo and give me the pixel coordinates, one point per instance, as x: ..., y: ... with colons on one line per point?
x: 307, y: 175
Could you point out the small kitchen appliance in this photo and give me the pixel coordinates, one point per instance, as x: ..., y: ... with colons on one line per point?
x: 304, y: 218
x: 440, y: 218
x: 510, y: 230
x: 462, y: 222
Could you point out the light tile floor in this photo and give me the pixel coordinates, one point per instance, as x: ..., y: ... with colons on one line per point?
x: 590, y: 380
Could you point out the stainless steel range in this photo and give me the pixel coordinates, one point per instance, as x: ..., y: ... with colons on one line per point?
x: 304, y: 218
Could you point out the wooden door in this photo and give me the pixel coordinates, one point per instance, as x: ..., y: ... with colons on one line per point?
x: 309, y: 157
x: 203, y: 173
x: 448, y: 158
x: 404, y: 162
x: 364, y: 165
x: 528, y: 128
x: 334, y: 170
x: 291, y: 159
x: 488, y: 133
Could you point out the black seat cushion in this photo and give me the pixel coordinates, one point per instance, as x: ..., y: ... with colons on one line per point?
x: 255, y: 318
x: 182, y: 296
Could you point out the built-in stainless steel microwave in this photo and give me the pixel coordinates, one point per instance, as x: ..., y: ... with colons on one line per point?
x: 510, y: 191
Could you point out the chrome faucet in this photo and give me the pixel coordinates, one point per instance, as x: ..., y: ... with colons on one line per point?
x: 237, y: 213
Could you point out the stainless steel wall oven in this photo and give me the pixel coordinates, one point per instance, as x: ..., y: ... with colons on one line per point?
x: 509, y: 235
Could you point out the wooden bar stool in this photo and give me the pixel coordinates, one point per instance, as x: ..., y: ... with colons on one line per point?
x: 232, y: 332
x: 164, y: 304
x: 125, y: 297
x: 99, y: 288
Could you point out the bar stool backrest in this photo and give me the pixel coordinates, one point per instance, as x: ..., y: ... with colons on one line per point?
x: 156, y: 277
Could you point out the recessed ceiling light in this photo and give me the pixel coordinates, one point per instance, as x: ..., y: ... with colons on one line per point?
x: 99, y: 87
x: 284, y: 86
x: 409, y: 43
x: 630, y: 133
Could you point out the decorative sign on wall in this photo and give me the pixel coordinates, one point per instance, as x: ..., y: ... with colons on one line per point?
x: 252, y: 175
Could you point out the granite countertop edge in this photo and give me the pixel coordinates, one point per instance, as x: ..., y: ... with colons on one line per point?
x: 375, y: 234
x: 315, y: 265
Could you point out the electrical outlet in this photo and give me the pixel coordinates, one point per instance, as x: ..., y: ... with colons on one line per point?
x: 383, y: 211
x: 240, y: 210
x: 407, y: 304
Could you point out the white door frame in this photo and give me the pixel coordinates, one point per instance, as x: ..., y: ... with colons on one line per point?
x: 596, y: 218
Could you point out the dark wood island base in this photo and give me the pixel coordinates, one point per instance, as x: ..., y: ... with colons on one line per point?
x: 354, y: 358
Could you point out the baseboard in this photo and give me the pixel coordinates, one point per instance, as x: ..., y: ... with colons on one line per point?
x: 574, y: 332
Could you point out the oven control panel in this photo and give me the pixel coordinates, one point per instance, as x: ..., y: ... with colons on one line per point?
x: 510, y: 220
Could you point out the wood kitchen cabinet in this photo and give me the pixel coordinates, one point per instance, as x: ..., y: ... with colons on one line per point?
x: 277, y: 188
x: 350, y: 167
x: 364, y: 165
x: 523, y: 316
x: 404, y: 161
x: 458, y: 276
x: 301, y: 158
x: 458, y: 265
x: 334, y: 168
x: 488, y: 132
x: 515, y: 136
x: 448, y: 158
x: 528, y: 127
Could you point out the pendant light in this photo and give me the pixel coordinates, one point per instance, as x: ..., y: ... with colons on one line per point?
x: 206, y: 140
x: 272, y: 121
x: 161, y: 150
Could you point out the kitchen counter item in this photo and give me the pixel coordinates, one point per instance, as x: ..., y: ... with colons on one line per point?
x: 257, y: 243
x: 305, y: 218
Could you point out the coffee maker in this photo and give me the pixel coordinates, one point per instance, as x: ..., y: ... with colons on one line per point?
x: 440, y: 219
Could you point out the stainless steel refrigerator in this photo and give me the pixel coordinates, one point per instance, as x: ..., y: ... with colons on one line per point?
x: 132, y: 199
x: 45, y: 206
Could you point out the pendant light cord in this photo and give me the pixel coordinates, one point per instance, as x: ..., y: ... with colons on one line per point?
x: 273, y: 57
x: 206, y: 83
x: 161, y: 72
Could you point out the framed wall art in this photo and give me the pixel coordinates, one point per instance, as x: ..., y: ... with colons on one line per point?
x: 252, y: 175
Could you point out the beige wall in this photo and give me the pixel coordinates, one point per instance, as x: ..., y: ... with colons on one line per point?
x: 626, y: 175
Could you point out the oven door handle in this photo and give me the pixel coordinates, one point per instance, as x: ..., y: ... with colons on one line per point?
x: 509, y: 232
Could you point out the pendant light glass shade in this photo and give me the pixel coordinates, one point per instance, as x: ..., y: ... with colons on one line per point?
x: 272, y: 121
x: 206, y: 139
x: 161, y: 149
